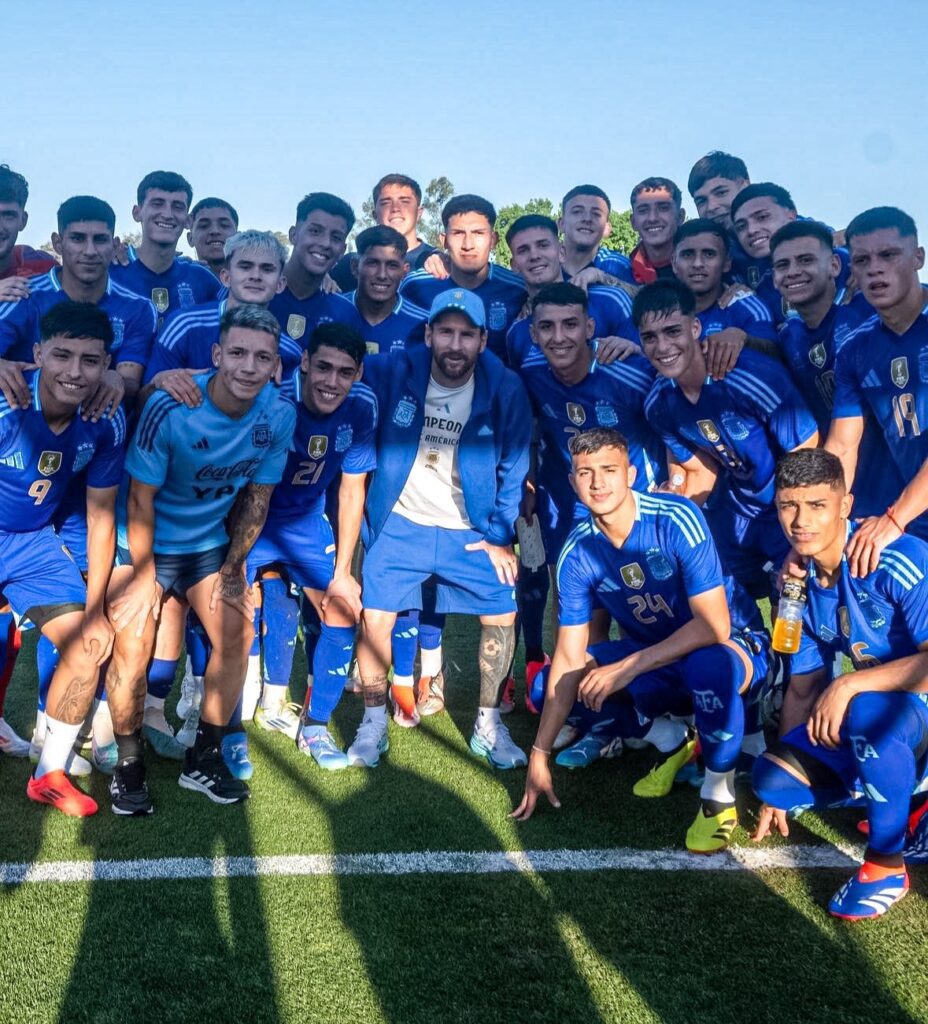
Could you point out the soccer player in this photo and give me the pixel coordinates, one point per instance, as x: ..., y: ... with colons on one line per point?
x: 17, y: 262
x: 714, y: 181
x: 318, y: 238
x: 334, y: 443
x: 452, y: 455
x: 584, y: 223
x: 650, y: 561
x: 84, y: 241
x: 42, y: 446
x: 732, y: 430
x: 863, y: 737
x: 397, y: 201
x: 187, y: 467
x: 469, y: 237
x: 153, y: 270
x: 391, y: 322
x: 657, y: 212
x: 212, y: 221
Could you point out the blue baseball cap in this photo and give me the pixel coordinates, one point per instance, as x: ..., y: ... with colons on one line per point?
x: 461, y: 301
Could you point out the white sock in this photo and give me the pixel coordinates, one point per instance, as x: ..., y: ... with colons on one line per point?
x: 102, y: 725
x: 431, y: 661
x: 154, y: 703
x: 188, y: 668
x: 59, y: 739
x: 403, y: 681
x: 719, y: 786
x: 665, y: 734
x: 272, y: 697
x: 754, y: 744
x: 378, y: 715
x: 252, y: 689
x: 41, y: 722
x: 488, y: 719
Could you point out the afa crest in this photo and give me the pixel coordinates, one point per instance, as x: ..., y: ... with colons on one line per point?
x: 82, y: 456
x: 660, y: 567
x: 49, y: 463
x: 405, y: 412
x: 709, y: 431
x: 496, y: 316
x: 119, y: 330
x: 606, y: 416
x: 296, y: 326
x: 899, y: 371
x: 576, y: 414
x: 818, y: 355
x: 633, y: 576
x: 318, y: 446
x: 344, y: 437
x: 261, y: 436
x: 160, y: 299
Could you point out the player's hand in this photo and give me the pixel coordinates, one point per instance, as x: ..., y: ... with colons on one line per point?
x: 503, y: 559
x: 180, y: 385
x: 120, y: 253
x: 13, y: 384
x: 768, y: 819
x: 722, y: 351
x: 867, y: 542
x: 794, y: 565
x: 589, y: 275
x: 346, y: 591
x: 231, y: 588
x: 97, y: 637
x: 613, y: 348
x: 106, y: 399
x: 14, y: 289
x: 438, y: 265
x: 602, y: 682
x: 537, y: 782
x: 131, y: 608
x: 674, y: 484
x: 732, y: 292
x: 829, y: 711
x: 329, y: 286
x: 528, y: 503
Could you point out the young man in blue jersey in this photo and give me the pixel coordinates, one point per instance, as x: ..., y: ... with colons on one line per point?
x: 861, y: 738
x: 318, y: 238
x: 17, y: 262
x: 212, y: 221
x: 452, y: 455
x: 42, y: 446
x: 153, y: 269
x: 84, y: 241
x: 881, y: 375
x: 584, y: 224
x: 722, y: 436
x: 391, y: 322
x: 657, y: 212
x: 334, y: 441
x: 187, y: 468
x: 650, y: 561
x: 469, y: 237
x: 714, y: 181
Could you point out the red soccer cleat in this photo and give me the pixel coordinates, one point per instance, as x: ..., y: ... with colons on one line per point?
x: 56, y: 788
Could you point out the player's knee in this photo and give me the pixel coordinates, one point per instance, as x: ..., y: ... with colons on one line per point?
x: 715, y: 672
x: 131, y: 654
x: 775, y: 786
x: 871, y: 713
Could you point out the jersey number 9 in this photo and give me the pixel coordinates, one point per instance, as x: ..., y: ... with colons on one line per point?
x: 38, y: 489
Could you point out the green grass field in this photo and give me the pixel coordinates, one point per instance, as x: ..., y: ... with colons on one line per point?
x: 680, y: 946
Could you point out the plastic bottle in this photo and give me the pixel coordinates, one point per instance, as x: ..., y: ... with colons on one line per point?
x: 788, y: 626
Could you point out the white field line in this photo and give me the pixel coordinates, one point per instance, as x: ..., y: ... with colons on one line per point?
x: 742, y: 858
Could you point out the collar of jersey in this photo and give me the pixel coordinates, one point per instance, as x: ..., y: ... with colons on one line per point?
x: 849, y: 529
x: 56, y: 284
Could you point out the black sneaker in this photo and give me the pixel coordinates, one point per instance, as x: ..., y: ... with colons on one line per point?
x: 129, y: 791
x: 206, y: 772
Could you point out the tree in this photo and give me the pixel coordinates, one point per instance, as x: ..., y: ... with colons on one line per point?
x: 511, y: 213
x: 283, y: 238
x: 437, y: 193
x: 623, y: 236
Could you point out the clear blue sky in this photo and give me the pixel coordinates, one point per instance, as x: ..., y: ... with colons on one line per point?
x: 263, y: 102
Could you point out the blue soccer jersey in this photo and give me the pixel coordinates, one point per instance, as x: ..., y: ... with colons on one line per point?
x: 187, y: 337
x: 646, y: 584
x: 132, y: 317
x: 503, y: 295
x: 324, y: 446
x: 609, y: 308
x: 744, y: 422
x: 746, y: 312
x: 614, y: 263
x: 36, y: 464
x: 874, y: 619
x: 404, y: 326
x: 182, y: 285
x: 300, y: 317
x: 200, y: 458
x: 758, y: 274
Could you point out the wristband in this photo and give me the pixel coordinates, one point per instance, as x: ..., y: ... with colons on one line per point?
x: 540, y: 750
x: 889, y: 515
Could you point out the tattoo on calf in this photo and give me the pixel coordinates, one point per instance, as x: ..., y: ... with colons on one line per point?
x: 72, y: 706
x: 497, y: 644
x: 375, y: 691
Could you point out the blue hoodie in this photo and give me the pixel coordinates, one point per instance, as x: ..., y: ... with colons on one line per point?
x: 493, y: 453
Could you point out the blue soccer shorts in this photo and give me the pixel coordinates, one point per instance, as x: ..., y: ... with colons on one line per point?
x: 304, y: 548
x: 38, y: 577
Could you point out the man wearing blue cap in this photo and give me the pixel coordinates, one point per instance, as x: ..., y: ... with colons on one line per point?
x: 452, y: 454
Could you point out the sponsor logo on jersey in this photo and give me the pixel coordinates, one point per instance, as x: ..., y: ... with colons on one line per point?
x: 405, y: 412
x: 845, y: 621
x: 660, y: 567
x: 633, y: 576
x: 49, y: 463
x: 160, y: 299
x: 344, y: 437
x: 496, y: 317
x: 296, y: 326
x: 576, y: 414
x: 318, y: 446
x: 606, y: 416
x: 817, y: 355
x: 899, y: 371
x: 709, y: 431
x: 82, y: 456
x: 261, y: 436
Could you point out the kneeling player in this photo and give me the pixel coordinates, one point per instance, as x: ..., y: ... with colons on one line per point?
x: 865, y: 739
x: 650, y: 561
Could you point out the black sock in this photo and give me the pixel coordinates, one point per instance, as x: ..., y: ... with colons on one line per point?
x: 208, y: 736
x: 316, y: 721
x: 129, y: 747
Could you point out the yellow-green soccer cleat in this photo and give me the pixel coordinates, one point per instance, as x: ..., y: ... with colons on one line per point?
x: 659, y: 780
x: 711, y: 833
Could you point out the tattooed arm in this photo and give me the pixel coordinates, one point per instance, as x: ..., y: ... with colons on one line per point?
x: 245, y: 524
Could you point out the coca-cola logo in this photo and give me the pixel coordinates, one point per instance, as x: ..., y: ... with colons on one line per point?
x: 244, y: 467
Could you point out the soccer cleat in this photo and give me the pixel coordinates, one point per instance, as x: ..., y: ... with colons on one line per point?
x: 234, y: 749
x: 591, y: 748
x: 405, y: 713
x: 431, y: 695
x: 711, y: 833
x: 206, y: 772
x: 370, y: 742
x: 916, y: 845
x: 318, y: 742
x: 104, y: 756
x: 129, y: 794
x: 187, y: 733
x: 75, y: 765
x: 160, y: 736
x: 860, y: 898
x: 508, y: 701
x: 11, y: 744
x: 285, y: 719
x: 532, y: 668
x: 191, y: 696
x: 495, y: 744
x: 659, y: 780
x: 567, y: 735
x: 56, y: 788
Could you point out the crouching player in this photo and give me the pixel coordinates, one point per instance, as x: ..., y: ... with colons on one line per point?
x: 43, y: 445
x: 864, y: 735
x: 650, y: 561
x: 336, y: 422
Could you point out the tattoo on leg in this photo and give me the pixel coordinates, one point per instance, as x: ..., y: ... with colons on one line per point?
x: 73, y: 705
x: 375, y: 691
x: 497, y: 644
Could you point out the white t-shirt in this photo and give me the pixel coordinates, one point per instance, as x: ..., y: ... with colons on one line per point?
x: 433, y: 495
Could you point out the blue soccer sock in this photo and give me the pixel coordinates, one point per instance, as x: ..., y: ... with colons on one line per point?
x: 160, y: 680
x: 532, y: 592
x: 46, y: 657
x: 714, y: 676
x: 312, y: 626
x: 281, y: 618
x: 197, y: 644
x: 405, y: 641
x: 331, y: 663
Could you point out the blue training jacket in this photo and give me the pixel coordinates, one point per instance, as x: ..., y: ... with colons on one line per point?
x: 494, y: 447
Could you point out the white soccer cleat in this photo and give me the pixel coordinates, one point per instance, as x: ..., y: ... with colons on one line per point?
x: 11, y: 744
x: 495, y: 744
x: 186, y: 735
x: 191, y: 696
x: 370, y: 742
x: 285, y: 718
